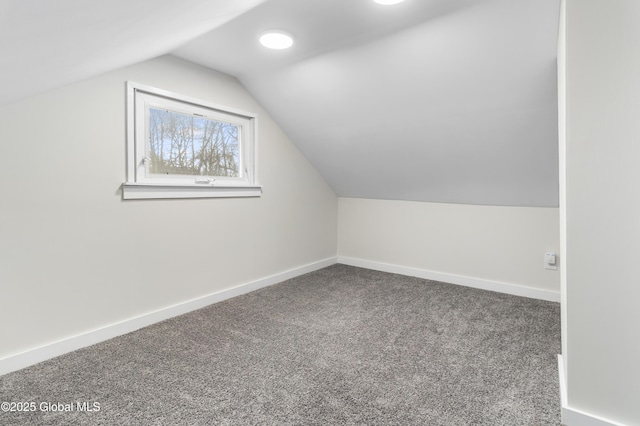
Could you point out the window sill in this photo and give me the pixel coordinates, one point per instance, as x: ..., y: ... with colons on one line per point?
x: 138, y: 191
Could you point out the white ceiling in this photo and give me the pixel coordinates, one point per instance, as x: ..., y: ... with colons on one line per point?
x: 430, y: 100
x: 46, y: 44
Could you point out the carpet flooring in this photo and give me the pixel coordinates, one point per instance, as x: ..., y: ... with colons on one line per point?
x: 339, y: 346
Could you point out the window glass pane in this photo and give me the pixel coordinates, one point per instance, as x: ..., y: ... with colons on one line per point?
x: 183, y: 144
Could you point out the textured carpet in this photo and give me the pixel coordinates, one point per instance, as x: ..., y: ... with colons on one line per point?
x: 341, y: 345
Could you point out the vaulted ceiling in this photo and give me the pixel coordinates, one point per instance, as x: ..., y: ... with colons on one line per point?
x: 429, y: 100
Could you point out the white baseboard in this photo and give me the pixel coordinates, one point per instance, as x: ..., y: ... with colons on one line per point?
x: 501, y: 287
x: 573, y: 417
x: 52, y: 350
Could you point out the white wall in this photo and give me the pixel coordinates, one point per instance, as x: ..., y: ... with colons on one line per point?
x: 502, y: 245
x: 562, y: 166
x: 603, y: 208
x: 75, y: 257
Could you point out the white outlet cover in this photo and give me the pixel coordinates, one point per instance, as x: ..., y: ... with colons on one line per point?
x: 547, y: 258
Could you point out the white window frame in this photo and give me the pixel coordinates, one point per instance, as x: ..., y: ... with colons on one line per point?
x: 140, y: 184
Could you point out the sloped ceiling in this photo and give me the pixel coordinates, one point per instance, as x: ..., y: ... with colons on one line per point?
x: 429, y: 100
x: 45, y: 44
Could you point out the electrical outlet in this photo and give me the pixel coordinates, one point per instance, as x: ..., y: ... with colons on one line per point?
x: 551, y: 261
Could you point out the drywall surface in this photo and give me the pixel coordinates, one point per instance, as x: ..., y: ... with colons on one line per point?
x: 603, y: 208
x: 459, y: 107
x: 503, y: 244
x: 75, y: 257
x: 562, y: 163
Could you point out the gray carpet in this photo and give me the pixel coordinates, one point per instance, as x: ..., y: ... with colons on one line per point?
x: 339, y: 346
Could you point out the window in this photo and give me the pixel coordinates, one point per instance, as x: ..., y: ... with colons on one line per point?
x: 180, y: 147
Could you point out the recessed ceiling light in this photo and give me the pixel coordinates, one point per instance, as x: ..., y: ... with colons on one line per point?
x: 276, y: 40
x: 388, y: 2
